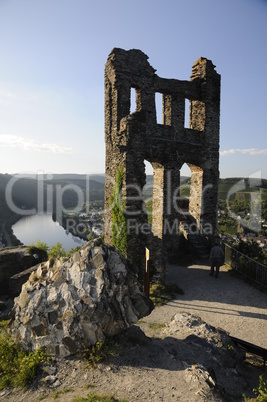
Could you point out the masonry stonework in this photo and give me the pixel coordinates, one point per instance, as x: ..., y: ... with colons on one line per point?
x: 133, y: 138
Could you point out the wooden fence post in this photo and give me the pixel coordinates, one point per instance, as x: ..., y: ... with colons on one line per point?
x: 146, y: 276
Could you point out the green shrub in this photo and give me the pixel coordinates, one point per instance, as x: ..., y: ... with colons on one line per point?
x: 17, y: 368
x: 40, y: 248
x: 72, y: 250
x: 99, y: 352
x: 261, y: 392
x: 55, y: 251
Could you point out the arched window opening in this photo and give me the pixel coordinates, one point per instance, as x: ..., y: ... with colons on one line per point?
x: 159, y: 107
x: 148, y: 191
x: 185, y: 180
x: 186, y: 114
x: 133, y: 101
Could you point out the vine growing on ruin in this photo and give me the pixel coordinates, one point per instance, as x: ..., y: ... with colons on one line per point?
x: 119, y: 223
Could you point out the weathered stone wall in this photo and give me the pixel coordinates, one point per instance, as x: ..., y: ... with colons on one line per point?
x: 133, y: 138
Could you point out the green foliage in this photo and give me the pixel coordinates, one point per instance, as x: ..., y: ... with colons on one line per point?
x: 17, y: 368
x: 40, y: 248
x: 72, y: 250
x: 251, y: 250
x: 119, y: 223
x: 261, y: 392
x: 41, y: 245
x: 3, y: 324
x: 90, y: 235
x: 99, y: 352
x: 155, y: 325
x: 161, y: 293
x: 57, y: 251
x: 32, y: 248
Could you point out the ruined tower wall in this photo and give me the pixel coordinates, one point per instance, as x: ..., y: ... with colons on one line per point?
x: 133, y: 138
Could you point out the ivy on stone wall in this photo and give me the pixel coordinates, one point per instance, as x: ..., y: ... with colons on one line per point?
x: 119, y: 222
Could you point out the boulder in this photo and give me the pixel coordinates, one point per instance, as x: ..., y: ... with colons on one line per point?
x: 16, y: 281
x: 68, y: 305
x: 14, y: 260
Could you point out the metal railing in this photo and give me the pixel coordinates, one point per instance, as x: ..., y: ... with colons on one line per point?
x: 246, y: 266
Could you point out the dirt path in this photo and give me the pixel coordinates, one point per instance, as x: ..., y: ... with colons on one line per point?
x: 227, y: 302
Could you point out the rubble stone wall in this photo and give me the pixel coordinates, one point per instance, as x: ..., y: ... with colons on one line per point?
x: 132, y: 138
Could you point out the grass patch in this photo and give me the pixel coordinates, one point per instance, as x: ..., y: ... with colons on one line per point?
x: 56, y: 394
x: 17, y: 368
x: 3, y: 324
x: 161, y: 293
x: 155, y: 325
x: 63, y: 391
x: 100, y: 352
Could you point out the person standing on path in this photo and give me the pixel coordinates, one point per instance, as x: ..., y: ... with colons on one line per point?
x: 216, y: 258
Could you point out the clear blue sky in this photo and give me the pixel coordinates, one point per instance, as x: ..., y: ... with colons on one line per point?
x: 52, y: 58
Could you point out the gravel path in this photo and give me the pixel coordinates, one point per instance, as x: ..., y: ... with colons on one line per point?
x: 227, y: 302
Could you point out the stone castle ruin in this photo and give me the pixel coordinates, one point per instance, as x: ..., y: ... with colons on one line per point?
x: 133, y: 138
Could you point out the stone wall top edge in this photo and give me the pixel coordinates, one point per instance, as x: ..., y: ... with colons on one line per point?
x: 203, y: 59
x: 119, y: 51
x: 125, y: 64
x: 132, y: 58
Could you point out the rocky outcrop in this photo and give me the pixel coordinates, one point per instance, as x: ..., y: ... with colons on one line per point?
x: 65, y: 306
x: 16, y: 281
x: 212, y: 362
x: 14, y: 260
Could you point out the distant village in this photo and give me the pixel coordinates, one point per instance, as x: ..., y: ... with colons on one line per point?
x: 243, y: 233
x: 85, y: 225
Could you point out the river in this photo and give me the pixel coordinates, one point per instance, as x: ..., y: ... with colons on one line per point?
x: 41, y: 227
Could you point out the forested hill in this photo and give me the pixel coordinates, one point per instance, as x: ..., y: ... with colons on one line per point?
x: 26, y: 191
x: 22, y: 192
x: 242, y: 187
